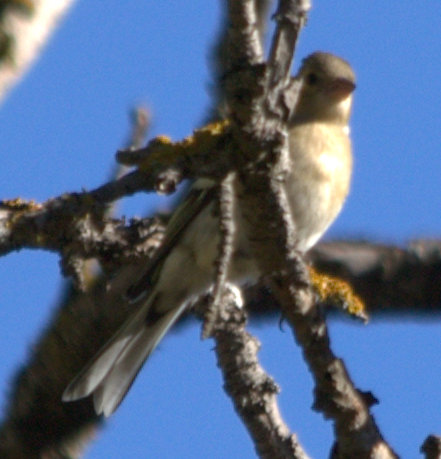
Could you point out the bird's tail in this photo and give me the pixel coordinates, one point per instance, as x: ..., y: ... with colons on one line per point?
x: 112, y: 371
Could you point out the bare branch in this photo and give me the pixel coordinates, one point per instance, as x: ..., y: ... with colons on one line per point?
x: 389, y: 279
x: 221, y: 55
x: 251, y: 389
x: 227, y: 232
x: 27, y: 33
x: 403, y: 281
x: 263, y: 164
x: 244, y: 45
x: 335, y: 395
x: 432, y: 447
x: 140, y: 125
x: 72, y: 224
x: 69, y: 223
x: 35, y: 422
x: 290, y: 17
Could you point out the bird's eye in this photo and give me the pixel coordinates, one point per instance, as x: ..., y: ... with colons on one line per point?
x: 311, y: 78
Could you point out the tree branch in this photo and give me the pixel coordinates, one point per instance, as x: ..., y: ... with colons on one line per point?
x: 389, y: 279
x: 260, y: 126
x: 24, y: 31
x: 35, y: 422
x: 432, y: 447
x: 251, y: 389
x: 74, y: 225
x: 71, y: 222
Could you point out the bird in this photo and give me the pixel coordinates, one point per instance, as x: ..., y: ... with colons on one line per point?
x: 183, y: 267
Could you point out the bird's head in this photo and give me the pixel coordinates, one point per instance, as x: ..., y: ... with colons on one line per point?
x: 327, y: 83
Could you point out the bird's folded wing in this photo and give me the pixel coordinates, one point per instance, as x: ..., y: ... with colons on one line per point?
x: 196, y: 201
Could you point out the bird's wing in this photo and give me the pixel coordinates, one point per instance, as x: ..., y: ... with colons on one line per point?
x: 197, y: 200
x: 113, y: 369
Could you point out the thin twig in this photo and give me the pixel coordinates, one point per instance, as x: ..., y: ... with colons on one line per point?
x: 27, y: 33
x: 227, y: 233
x: 432, y: 447
x: 290, y: 17
x: 252, y: 390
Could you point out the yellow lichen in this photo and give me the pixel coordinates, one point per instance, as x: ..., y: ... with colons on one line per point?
x: 20, y: 204
x: 339, y: 293
x: 164, y: 151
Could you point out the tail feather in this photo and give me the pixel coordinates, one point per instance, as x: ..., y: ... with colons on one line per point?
x: 115, y: 385
x: 111, y: 372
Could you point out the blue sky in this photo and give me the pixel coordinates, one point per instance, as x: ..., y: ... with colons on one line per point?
x: 61, y: 126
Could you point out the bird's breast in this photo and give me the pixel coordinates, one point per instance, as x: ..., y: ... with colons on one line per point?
x: 320, y: 177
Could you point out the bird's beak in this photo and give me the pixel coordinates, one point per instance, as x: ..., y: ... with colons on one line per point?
x: 340, y: 88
